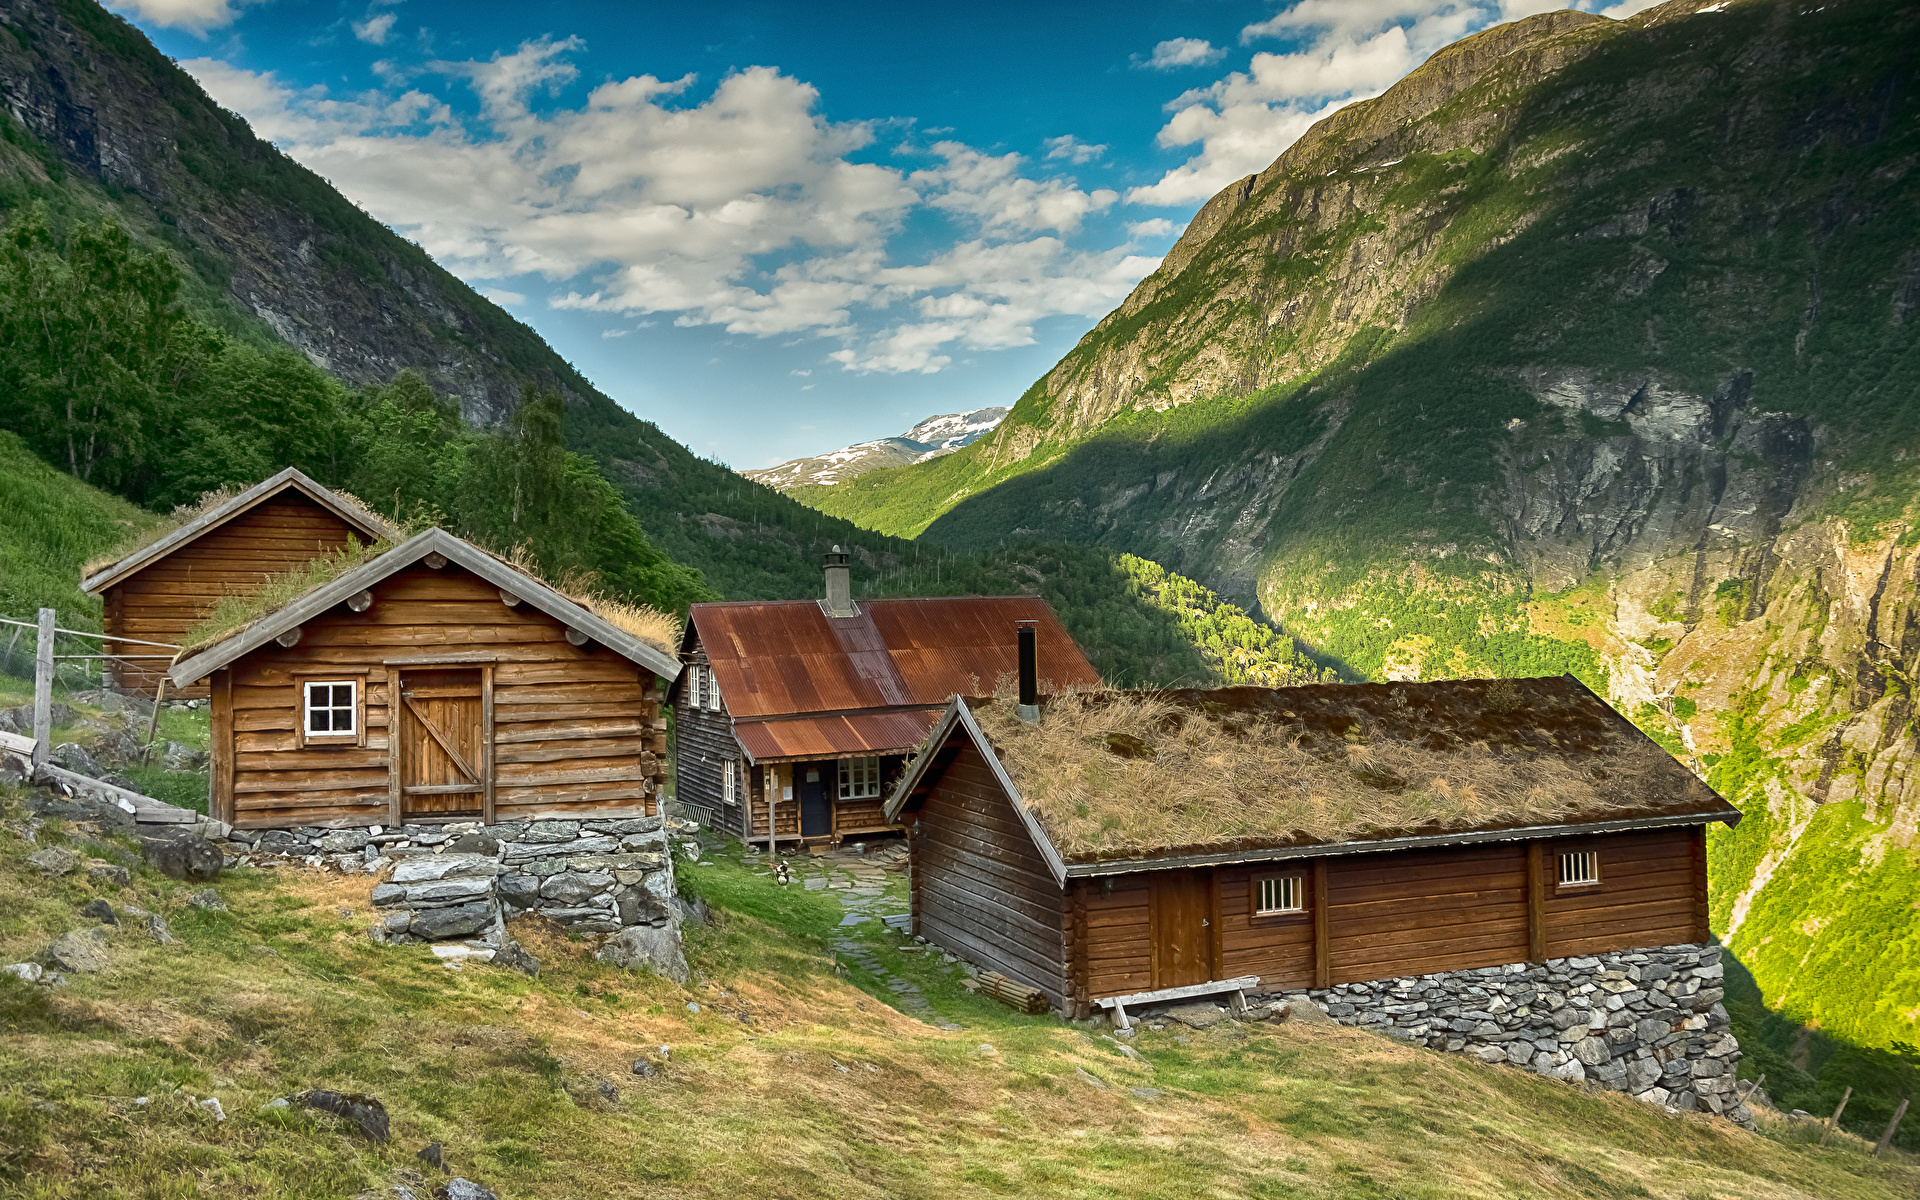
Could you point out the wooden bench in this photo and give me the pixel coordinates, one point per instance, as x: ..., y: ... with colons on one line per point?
x: 1237, y: 1001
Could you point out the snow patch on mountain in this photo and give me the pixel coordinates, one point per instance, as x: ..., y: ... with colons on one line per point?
x: 931, y: 438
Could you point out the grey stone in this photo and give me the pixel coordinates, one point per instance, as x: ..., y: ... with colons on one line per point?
x: 515, y: 957
x: 100, y: 910
x: 458, y: 1188
x: 55, y: 861
x: 1199, y: 1015
x: 83, y: 951
x: 434, y: 924
x: 524, y: 852
x: 445, y: 866
x: 343, y: 841
x: 546, y: 833
x: 183, y: 856
x: 639, y: 907
x: 1567, y: 1018
x: 575, y: 887
x: 396, y: 922
x: 1651, y: 1029
x: 26, y: 972
x: 448, y: 891
x: 1302, y: 1012
x: 626, y: 825
x: 75, y: 757
x: 1091, y: 1080
x: 184, y: 758
x: 1570, y: 1071
x: 363, y: 1110
x: 1592, y: 1051
x: 475, y: 843
x: 387, y: 895
x: 521, y: 890
x: 207, y: 900
x: 646, y: 946
x: 1489, y: 1054
x: 1642, y: 1074
x: 1707, y: 998
x: 158, y: 929
x: 108, y: 874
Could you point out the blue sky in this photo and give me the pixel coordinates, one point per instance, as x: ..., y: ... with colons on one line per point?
x: 775, y: 229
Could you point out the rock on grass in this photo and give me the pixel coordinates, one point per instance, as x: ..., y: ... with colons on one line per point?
x: 82, y: 951
x: 363, y: 1110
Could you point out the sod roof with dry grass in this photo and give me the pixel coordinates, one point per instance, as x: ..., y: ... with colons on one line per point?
x: 1130, y: 774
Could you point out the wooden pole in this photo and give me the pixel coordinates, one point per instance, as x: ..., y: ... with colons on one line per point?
x: 43, y: 689
x: 1833, y: 1122
x: 1886, y: 1139
x: 1322, y: 931
x: 773, y: 825
x: 1536, y: 903
x: 153, y: 722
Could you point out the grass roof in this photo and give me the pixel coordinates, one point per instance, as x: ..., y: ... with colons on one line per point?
x: 1117, y: 774
x: 186, y: 514
x: 235, y: 611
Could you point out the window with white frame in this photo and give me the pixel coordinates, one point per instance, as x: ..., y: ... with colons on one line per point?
x: 332, y: 708
x: 1276, y: 895
x: 726, y: 782
x: 1578, y: 867
x: 859, y: 778
x: 713, y: 692
x: 693, y: 686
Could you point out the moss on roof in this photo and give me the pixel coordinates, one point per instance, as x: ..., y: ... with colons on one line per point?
x: 185, y: 514
x: 1114, y: 774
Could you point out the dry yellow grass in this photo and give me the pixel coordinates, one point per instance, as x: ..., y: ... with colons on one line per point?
x: 186, y: 514
x: 1111, y: 773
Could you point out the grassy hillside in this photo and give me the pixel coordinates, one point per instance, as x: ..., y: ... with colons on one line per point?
x: 52, y: 524
x: 772, y: 1074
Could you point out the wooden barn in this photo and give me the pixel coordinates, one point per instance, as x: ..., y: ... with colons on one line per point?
x: 1153, y: 845
x: 802, y: 712
x: 164, y: 588
x: 434, y: 682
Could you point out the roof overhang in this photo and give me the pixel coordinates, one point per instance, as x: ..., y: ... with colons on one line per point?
x: 433, y: 541
x: 854, y: 734
x: 290, y: 479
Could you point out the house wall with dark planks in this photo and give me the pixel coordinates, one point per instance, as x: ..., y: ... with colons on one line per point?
x: 573, y: 726
x: 164, y: 599
x: 981, y: 887
x: 703, y: 742
x: 1652, y: 892
x: 1415, y: 912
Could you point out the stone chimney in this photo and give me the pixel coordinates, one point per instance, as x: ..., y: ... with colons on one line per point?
x: 839, y: 601
x: 1029, y: 709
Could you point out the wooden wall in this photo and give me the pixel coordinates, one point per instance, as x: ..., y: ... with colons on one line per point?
x: 981, y: 888
x: 786, y: 809
x: 1422, y: 911
x: 1279, y: 949
x: 703, y: 742
x: 574, y: 727
x: 162, y: 600
x: 1649, y: 885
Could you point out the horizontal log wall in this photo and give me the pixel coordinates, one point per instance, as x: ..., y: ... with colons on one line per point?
x: 703, y: 742
x: 163, y: 600
x: 982, y: 888
x: 572, y: 725
x: 1645, y: 897
x: 1278, y: 949
x: 1420, y: 911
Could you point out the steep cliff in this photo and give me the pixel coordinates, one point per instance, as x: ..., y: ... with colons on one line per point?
x: 1590, y: 346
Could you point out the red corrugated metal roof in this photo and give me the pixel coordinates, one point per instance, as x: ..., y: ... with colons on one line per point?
x: 840, y: 735
x: 779, y: 657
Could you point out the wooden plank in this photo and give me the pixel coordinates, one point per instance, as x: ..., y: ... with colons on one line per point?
x: 396, y: 756
x: 439, y: 735
x: 1697, y: 854
x: 521, y: 752
x: 1216, y: 927
x: 1162, y: 995
x: 487, y: 748
x: 564, y: 731
x: 1322, y: 923
x: 224, y: 765
x: 1536, y: 903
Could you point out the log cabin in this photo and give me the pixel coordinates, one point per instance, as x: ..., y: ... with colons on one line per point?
x: 797, y: 715
x: 1133, y: 847
x: 165, y: 587
x: 433, y: 682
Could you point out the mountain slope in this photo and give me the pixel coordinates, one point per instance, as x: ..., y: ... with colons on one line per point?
x: 1590, y: 346
x: 928, y: 440
x: 98, y: 122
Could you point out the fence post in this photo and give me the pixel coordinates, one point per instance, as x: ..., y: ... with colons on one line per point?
x: 1886, y: 1139
x: 1834, y: 1122
x: 43, y: 689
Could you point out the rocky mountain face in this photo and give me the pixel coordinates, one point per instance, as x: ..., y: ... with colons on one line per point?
x: 97, y: 122
x: 929, y: 439
x: 1588, y: 347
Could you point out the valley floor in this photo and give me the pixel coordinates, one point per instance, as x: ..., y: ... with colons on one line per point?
x: 782, y: 1070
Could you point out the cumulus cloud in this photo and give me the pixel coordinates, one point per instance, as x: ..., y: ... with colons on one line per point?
x: 1156, y: 227
x: 1338, y: 52
x: 195, y: 16
x: 1181, y: 52
x: 375, y: 28
x: 745, y: 209
x: 1072, y: 149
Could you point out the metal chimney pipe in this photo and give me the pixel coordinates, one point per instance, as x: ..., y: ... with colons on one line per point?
x: 1029, y: 674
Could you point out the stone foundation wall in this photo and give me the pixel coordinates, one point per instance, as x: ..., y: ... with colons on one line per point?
x: 452, y: 881
x: 1646, y: 1022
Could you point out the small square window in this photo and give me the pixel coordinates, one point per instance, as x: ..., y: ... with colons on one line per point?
x: 1579, y: 867
x: 332, y: 709
x: 1275, y: 895
x: 859, y: 778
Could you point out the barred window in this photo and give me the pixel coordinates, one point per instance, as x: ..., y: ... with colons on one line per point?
x: 1277, y: 894
x: 1578, y: 867
x: 331, y: 709
x: 726, y: 782
x: 859, y: 778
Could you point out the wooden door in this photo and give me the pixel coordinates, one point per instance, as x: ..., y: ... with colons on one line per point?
x: 1180, y: 926
x: 442, y: 751
x: 816, y: 815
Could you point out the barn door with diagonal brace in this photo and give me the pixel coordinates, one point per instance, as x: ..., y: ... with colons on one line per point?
x: 439, y: 740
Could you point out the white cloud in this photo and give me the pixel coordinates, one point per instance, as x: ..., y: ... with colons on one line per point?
x: 1342, y: 51
x: 375, y: 28
x: 195, y: 16
x: 1072, y: 149
x: 1182, y: 52
x: 1157, y: 227
x: 615, y: 333
x: 744, y: 209
x: 503, y: 296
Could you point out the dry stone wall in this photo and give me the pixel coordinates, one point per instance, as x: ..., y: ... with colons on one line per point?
x: 1647, y: 1022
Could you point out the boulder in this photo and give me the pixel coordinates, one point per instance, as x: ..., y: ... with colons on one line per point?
x: 458, y: 1188
x: 25, y: 972
x: 1592, y: 1051
x: 158, y: 929
x: 475, y: 843
x: 78, y: 759
x: 183, y: 856
x: 445, y: 866
x: 363, y: 1110
x: 184, y: 758
x: 83, y: 951
x: 99, y: 910
x: 1199, y: 1015
x: 433, y: 924
x: 573, y: 888
x: 1306, y: 1012
x: 55, y: 861
x: 646, y: 946
x: 207, y: 900
x: 106, y: 874
x: 514, y: 956
x: 520, y: 890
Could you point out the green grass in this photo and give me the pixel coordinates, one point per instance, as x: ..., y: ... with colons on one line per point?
x: 54, y: 524
x: 284, y: 993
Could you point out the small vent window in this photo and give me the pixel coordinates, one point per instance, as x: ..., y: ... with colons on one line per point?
x: 1277, y: 894
x: 331, y: 709
x: 727, y: 786
x: 859, y: 778
x: 1578, y: 867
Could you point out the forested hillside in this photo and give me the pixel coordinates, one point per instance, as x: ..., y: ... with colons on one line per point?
x: 1589, y: 346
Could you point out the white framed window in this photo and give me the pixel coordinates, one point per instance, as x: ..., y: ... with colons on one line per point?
x: 728, y: 791
x: 331, y: 708
x: 1275, y: 895
x: 1579, y: 867
x: 713, y: 691
x: 859, y: 778
x: 693, y: 686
